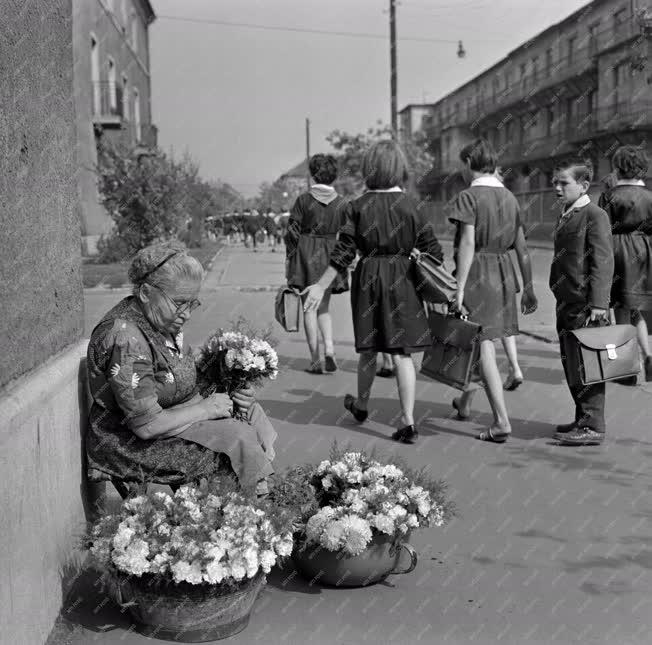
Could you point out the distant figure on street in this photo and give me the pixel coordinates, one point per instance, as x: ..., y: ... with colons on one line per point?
x: 310, y: 239
x: 252, y: 226
x: 488, y: 226
x: 629, y: 206
x: 384, y: 225
x: 580, y: 279
x: 270, y: 228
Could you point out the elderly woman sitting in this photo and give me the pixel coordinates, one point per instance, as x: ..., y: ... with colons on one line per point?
x: 147, y: 420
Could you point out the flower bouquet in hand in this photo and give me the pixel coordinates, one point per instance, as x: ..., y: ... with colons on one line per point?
x: 230, y: 361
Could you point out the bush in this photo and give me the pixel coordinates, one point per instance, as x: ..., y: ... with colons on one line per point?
x: 112, y: 248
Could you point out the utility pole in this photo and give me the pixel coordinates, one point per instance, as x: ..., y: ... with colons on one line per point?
x: 392, y: 63
x: 308, y: 152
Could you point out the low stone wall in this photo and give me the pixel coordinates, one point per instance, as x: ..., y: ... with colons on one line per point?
x: 42, y: 420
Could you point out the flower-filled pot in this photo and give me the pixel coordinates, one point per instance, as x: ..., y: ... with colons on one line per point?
x: 188, y: 613
x: 340, y: 569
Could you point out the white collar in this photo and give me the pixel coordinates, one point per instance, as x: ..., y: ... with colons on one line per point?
x: 581, y: 202
x: 393, y: 189
x: 488, y: 180
x: 630, y: 182
x: 323, y: 186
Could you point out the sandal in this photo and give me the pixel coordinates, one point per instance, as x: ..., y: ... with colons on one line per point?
x: 512, y: 383
x: 488, y: 435
x: 349, y: 404
x: 456, y: 406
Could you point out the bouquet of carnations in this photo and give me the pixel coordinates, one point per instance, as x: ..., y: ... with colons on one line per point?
x: 230, y: 360
x: 354, y: 496
x: 201, y: 534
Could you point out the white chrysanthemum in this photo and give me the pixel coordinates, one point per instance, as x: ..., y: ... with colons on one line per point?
x: 332, y: 537
x: 412, y: 521
x: 323, y: 467
x: 357, y: 534
x: 392, y: 472
x: 267, y: 560
x: 169, y: 377
x: 183, y: 571
x: 318, y: 521
x: 229, y: 359
x: 135, y: 379
x: 115, y: 369
x: 384, y: 524
x: 285, y: 546
x: 216, y: 572
x: 339, y: 469
x: 133, y: 559
x: 327, y: 482
x: 397, y: 512
x: 354, y: 476
x: 123, y: 536
x: 238, y: 569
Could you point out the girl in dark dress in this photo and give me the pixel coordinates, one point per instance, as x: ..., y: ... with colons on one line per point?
x: 310, y: 239
x: 384, y: 226
x: 487, y: 216
x: 629, y: 206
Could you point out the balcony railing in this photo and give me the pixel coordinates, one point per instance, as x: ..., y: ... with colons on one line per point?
x: 581, y: 61
x: 107, y: 102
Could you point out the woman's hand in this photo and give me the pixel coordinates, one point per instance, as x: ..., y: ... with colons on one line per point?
x: 244, y: 398
x: 218, y: 406
x: 598, y: 314
x: 529, y: 302
x: 314, y: 294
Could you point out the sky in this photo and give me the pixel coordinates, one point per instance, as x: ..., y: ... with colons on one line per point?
x: 236, y: 98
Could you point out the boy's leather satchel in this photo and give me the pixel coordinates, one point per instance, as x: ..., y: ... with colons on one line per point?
x: 599, y: 354
x: 287, y: 308
x: 454, y: 354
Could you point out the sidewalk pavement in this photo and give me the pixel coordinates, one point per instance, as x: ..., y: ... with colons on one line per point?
x: 551, y: 545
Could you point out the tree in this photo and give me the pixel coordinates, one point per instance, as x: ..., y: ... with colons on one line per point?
x: 350, y: 150
x: 279, y: 195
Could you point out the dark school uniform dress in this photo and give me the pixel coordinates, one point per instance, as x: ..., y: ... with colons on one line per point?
x: 580, y: 278
x: 310, y: 239
x: 491, y: 287
x: 630, y: 211
x: 388, y: 313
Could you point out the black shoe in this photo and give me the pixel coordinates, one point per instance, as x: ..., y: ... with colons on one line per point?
x: 408, y: 434
x: 349, y: 404
x: 566, y: 427
x: 648, y: 369
x: 329, y: 363
x: 385, y: 372
x: 581, y: 436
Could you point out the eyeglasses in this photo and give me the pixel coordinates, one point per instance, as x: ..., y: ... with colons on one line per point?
x: 179, y: 309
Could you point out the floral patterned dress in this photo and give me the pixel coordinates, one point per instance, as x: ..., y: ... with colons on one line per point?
x: 134, y: 373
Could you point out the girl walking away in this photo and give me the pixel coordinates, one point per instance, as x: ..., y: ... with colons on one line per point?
x: 488, y: 222
x: 629, y: 207
x: 580, y: 279
x: 311, y: 237
x: 384, y: 226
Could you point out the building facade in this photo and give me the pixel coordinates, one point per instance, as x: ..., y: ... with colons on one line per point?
x: 582, y: 86
x: 112, y: 93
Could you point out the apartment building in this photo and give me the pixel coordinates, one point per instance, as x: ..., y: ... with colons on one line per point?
x: 582, y: 86
x: 112, y: 93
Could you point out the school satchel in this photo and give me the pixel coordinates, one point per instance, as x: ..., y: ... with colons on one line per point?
x: 599, y: 354
x: 433, y: 282
x: 287, y: 308
x: 454, y: 353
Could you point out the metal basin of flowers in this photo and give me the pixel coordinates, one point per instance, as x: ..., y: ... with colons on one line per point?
x: 188, y: 613
x: 340, y: 569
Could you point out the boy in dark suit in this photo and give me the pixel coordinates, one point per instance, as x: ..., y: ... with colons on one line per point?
x: 580, y: 279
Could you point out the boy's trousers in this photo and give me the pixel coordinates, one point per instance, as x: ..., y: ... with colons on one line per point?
x: 589, y: 399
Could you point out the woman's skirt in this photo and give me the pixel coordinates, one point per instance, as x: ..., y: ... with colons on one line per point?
x: 201, y: 450
x: 632, y: 282
x: 388, y: 313
x: 309, y: 260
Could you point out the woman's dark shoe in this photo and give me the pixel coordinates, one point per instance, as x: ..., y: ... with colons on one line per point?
x: 512, y: 383
x: 315, y: 368
x: 648, y: 369
x: 566, y: 427
x: 581, y: 436
x: 329, y: 363
x: 408, y: 434
x: 349, y: 404
x: 385, y: 372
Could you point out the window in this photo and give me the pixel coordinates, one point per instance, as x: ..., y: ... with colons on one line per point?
x: 95, y: 75
x: 548, y: 61
x: 496, y: 85
x: 592, y: 101
x: 125, y: 96
x: 113, y: 93
x: 620, y: 17
x: 137, y: 126
x: 550, y: 119
x: 507, y: 79
x: 535, y: 70
x: 523, y: 75
x: 134, y: 31
x: 593, y: 37
x: 571, y: 48
x: 571, y: 111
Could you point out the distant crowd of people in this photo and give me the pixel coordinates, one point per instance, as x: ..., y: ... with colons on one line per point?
x: 250, y: 227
